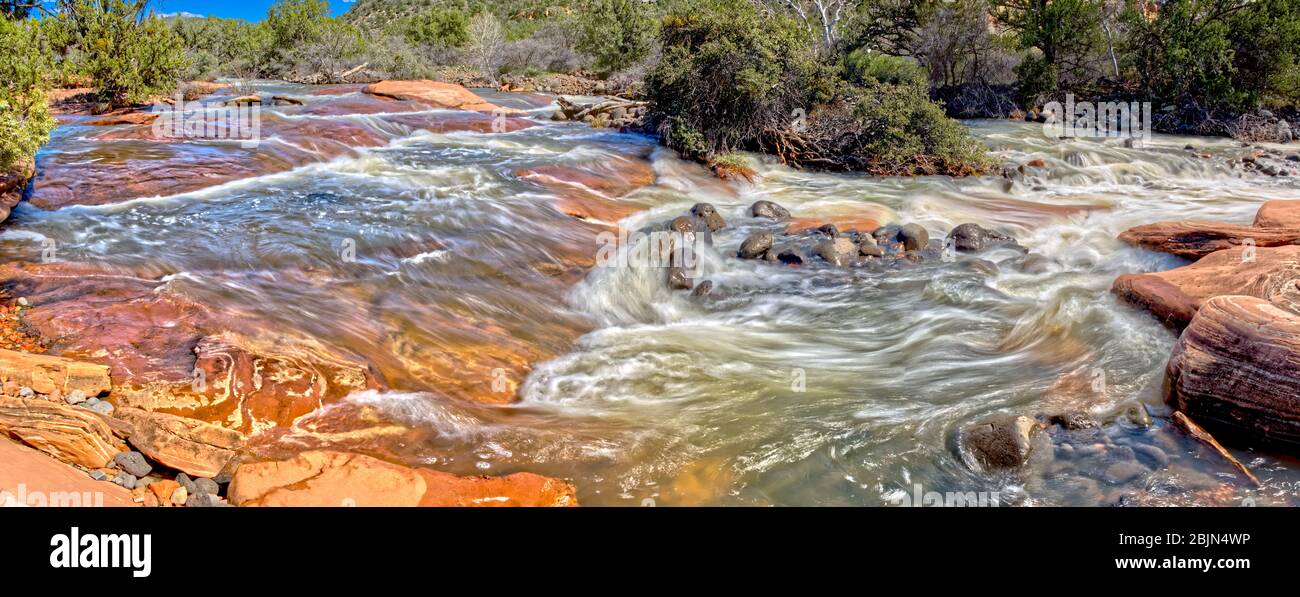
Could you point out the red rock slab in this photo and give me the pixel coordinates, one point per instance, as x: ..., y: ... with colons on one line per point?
x: 361, y: 104
x: 462, y: 122
x: 1176, y: 295
x: 324, y: 478
x: 1194, y: 240
x: 338, y: 89
x: 154, y: 341
x: 12, y: 186
x: 869, y: 218
x: 197, y: 448
x: 590, y: 192
x: 134, y: 118
x: 34, y: 479
x: 435, y: 94
x: 1021, y: 213
x: 50, y: 375
x: 119, y: 172
x: 115, y: 319
x: 1279, y: 214
x: 1236, y: 371
x: 253, y: 386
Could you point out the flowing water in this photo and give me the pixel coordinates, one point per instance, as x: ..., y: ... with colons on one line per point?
x: 789, y: 386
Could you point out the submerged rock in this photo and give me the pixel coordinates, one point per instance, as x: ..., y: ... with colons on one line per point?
x: 1195, y: 240
x: 1000, y: 444
x: 679, y: 279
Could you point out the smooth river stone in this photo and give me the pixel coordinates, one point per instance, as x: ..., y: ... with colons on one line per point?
x: 1236, y: 371
x: 1174, y: 296
x: 1279, y: 214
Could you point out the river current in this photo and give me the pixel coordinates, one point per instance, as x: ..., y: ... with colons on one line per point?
x: 789, y: 386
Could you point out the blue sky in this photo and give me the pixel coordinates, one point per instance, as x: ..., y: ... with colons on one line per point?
x: 250, y: 10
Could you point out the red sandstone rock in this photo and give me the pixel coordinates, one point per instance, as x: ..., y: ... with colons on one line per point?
x: 47, y: 375
x: 12, y: 186
x: 434, y: 93
x: 195, y: 447
x: 1279, y: 214
x: 38, y: 480
x: 1194, y: 240
x: 1236, y: 371
x: 322, y: 478
x: 137, y: 118
x: 591, y: 192
x: 1174, y: 296
x: 73, y: 435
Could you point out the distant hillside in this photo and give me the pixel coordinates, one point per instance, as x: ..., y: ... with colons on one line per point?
x: 374, y: 14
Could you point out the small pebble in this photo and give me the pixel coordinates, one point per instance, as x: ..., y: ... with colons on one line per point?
x: 125, y: 479
x: 75, y: 397
x: 22, y: 301
x: 187, y: 483
x: 101, y: 407
x: 98, y: 475
x: 179, y: 496
x: 26, y: 392
x: 206, y: 487
x: 132, y: 462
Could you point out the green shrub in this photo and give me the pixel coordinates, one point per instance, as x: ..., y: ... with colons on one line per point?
x: 617, y: 34
x: 736, y: 79
x: 728, y: 76
x: 438, y: 27
x: 128, y: 54
x: 25, y: 121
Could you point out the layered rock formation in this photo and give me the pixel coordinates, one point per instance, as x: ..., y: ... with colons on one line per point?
x: 12, y: 186
x: 1236, y: 370
x: 324, y: 478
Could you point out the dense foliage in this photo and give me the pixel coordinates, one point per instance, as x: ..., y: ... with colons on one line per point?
x: 735, y: 78
x: 25, y: 120
x: 127, y: 54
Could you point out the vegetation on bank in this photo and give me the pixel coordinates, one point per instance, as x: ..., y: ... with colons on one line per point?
x: 25, y: 121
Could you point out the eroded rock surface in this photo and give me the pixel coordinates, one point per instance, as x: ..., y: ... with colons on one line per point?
x: 325, y: 478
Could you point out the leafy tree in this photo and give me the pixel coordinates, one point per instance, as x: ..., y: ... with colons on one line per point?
x: 616, y: 33
x: 296, y: 22
x: 25, y: 120
x: 128, y: 53
x: 1067, y: 38
x: 438, y: 27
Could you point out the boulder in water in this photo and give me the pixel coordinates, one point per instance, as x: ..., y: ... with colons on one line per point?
x: 972, y: 238
x: 999, y: 444
x: 756, y: 245
x: 769, y: 210
x: 709, y: 215
x: 1236, y: 371
x: 836, y: 251
x: 914, y: 237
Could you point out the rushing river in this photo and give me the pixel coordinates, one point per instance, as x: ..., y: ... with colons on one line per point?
x: 790, y: 386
